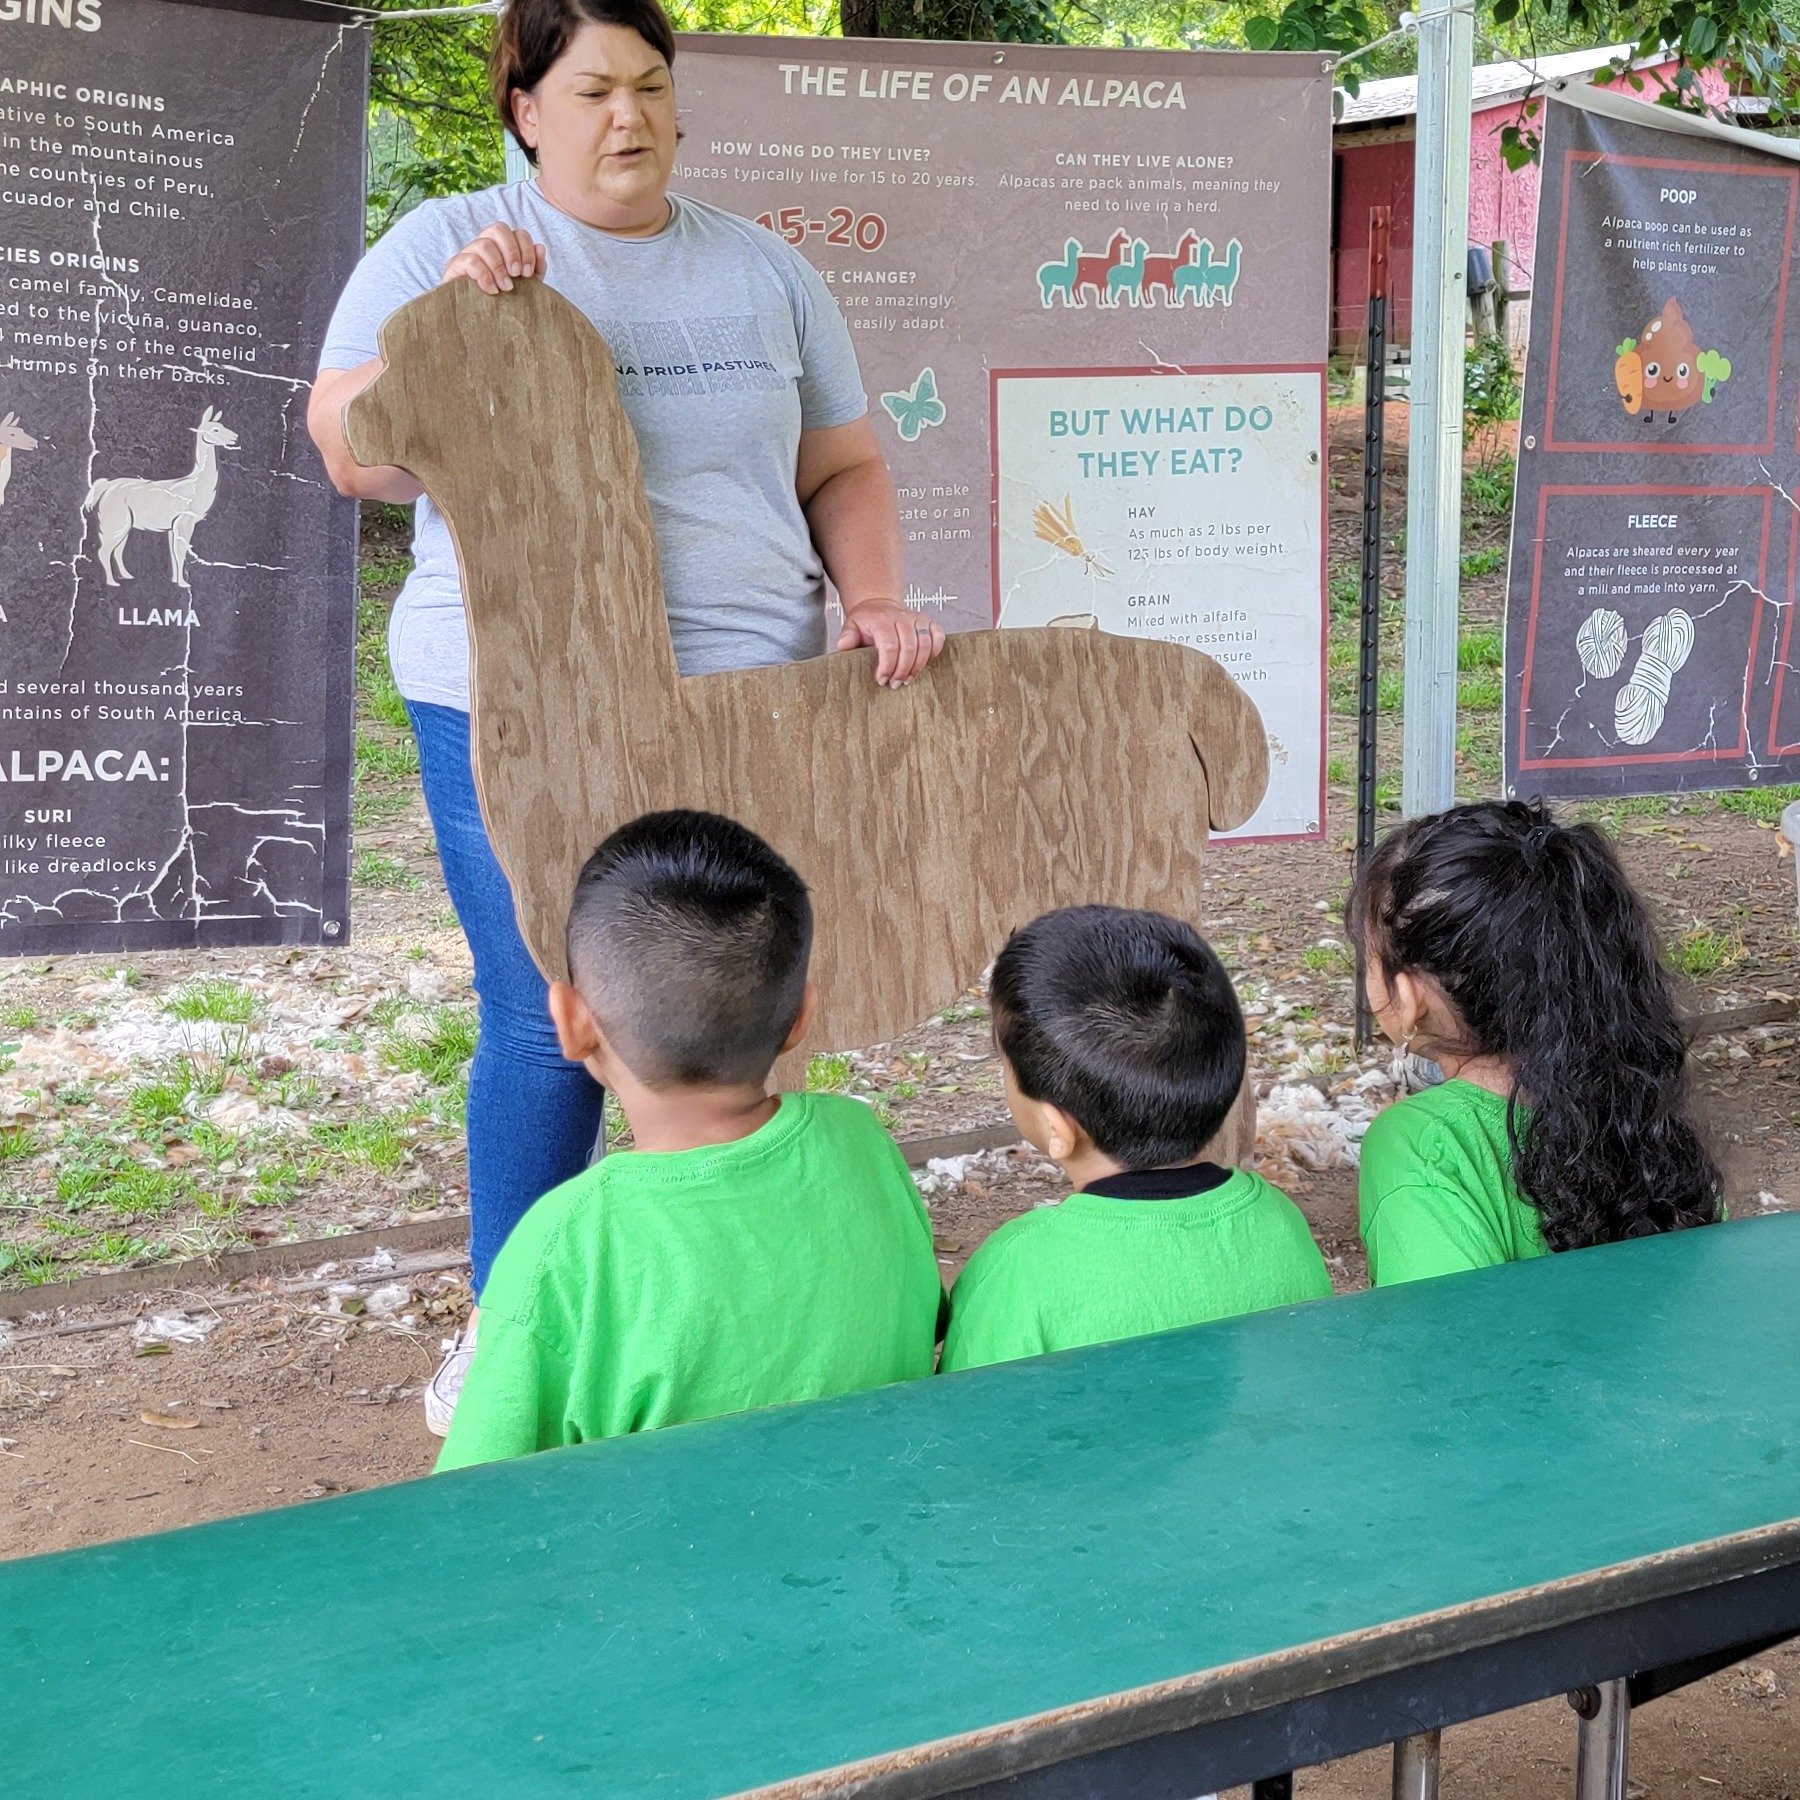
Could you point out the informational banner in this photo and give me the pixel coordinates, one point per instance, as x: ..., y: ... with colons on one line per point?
x: 1089, y: 293
x: 180, y: 201
x: 1650, y: 615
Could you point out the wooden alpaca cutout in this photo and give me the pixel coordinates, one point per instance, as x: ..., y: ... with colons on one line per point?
x: 1025, y: 770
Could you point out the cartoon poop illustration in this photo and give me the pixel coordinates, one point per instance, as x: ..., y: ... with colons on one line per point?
x: 1666, y: 369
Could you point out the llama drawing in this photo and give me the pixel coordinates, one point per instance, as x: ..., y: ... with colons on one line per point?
x: 13, y: 436
x: 1159, y: 271
x: 1209, y: 278
x: 1059, y: 277
x: 130, y: 503
x: 1127, y: 278
x: 1096, y: 271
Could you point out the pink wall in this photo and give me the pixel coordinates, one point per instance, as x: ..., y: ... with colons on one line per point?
x: 1502, y: 204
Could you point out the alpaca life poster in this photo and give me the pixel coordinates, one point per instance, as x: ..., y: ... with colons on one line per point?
x: 180, y: 200
x: 1650, y: 621
x: 1073, y: 279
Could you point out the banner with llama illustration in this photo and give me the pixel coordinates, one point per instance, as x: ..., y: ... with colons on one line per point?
x: 996, y: 220
x: 1650, y: 640
x: 182, y: 202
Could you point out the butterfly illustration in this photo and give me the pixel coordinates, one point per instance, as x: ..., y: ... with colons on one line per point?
x: 915, y: 408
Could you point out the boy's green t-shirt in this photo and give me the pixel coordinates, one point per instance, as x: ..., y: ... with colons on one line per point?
x: 1098, y: 1267
x: 1436, y: 1192
x: 659, y: 1287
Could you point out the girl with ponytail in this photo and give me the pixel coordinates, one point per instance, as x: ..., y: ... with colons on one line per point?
x: 1512, y: 950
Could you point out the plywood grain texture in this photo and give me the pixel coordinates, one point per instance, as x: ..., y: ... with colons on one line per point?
x: 1025, y: 770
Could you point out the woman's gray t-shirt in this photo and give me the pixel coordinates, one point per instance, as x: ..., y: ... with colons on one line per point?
x: 727, y: 344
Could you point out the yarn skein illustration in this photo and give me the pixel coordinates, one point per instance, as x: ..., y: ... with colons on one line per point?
x: 1600, y: 643
x: 1640, y: 704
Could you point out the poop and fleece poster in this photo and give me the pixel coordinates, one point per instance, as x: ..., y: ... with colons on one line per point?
x: 1650, y: 638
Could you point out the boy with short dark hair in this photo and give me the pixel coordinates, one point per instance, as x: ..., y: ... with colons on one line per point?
x: 1122, y: 1049
x: 752, y: 1248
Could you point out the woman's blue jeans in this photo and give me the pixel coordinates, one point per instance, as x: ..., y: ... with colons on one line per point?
x: 533, y: 1116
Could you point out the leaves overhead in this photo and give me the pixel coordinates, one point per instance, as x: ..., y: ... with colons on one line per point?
x: 433, y: 131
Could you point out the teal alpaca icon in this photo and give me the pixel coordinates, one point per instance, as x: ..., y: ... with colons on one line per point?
x: 1059, y: 277
x: 1206, y: 279
x: 1127, y: 278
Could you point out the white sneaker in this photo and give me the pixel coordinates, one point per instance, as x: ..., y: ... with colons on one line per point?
x: 445, y: 1387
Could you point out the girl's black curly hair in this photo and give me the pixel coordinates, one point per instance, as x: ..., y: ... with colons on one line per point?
x: 1537, y: 939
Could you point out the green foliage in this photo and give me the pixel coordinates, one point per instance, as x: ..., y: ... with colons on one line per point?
x: 432, y: 128
x: 371, y: 869
x: 19, y: 1018
x: 222, y: 1002
x: 1483, y: 562
x: 1490, y: 385
x: 1705, y: 951
x: 1490, y: 489
x: 1479, y: 648
x: 827, y: 1074
x: 1764, y: 804
x: 439, y: 1046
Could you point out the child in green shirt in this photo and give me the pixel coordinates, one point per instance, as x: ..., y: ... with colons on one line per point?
x: 753, y: 1247
x: 1122, y: 1049
x: 1513, y: 951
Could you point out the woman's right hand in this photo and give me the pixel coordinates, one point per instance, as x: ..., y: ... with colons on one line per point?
x: 496, y: 259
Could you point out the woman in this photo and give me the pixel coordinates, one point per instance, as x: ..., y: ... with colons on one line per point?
x: 762, y: 468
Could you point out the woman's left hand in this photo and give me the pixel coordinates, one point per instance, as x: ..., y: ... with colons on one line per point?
x: 904, y: 643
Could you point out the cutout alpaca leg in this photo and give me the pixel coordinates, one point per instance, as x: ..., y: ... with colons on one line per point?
x: 1638, y: 710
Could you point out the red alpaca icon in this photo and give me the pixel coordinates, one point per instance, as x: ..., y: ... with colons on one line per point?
x: 1092, y: 271
x: 1159, y: 271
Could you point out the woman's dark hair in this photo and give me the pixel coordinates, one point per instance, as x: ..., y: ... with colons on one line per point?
x: 1128, y: 1022
x: 1537, y: 939
x: 534, y: 33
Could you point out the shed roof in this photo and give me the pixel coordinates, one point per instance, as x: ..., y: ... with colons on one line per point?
x: 1397, y: 97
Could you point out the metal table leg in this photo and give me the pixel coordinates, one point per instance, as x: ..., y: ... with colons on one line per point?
x: 1603, y: 1748
x: 1416, y: 1766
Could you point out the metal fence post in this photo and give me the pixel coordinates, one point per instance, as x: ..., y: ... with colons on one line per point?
x: 1434, y: 442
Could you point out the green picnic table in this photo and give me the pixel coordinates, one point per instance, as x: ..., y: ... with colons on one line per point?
x: 1148, y: 1569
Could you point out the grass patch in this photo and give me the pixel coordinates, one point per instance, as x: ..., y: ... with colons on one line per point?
x: 220, y: 1002
x: 439, y: 1049
x: 1481, y: 648
x: 371, y: 869
x: 1331, y: 959
x: 827, y: 1074
x: 19, y: 1018
x: 367, y: 808
x: 1705, y: 951
x: 17, y: 1145
x: 1765, y: 804
x: 31, y: 1268
x: 121, y: 1247
x: 1481, y: 692
x: 162, y: 1097
x: 372, y: 1140
x: 123, y: 1187
x: 1337, y: 771
x: 1483, y: 562
x: 385, y: 759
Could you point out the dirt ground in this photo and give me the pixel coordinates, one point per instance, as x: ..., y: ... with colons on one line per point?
x: 181, y: 1105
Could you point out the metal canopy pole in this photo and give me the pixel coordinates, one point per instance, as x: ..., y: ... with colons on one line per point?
x: 1434, y: 440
